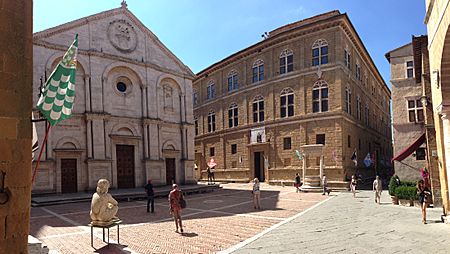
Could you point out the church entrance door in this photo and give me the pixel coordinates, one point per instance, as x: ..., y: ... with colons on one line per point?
x: 68, y: 175
x: 170, y: 171
x: 125, y: 166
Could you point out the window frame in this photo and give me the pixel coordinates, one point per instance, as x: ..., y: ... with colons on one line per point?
x: 211, y: 122
x: 232, y: 81
x: 348, y: 100
x: 196, y: 126
x: 287, y: 107
x: 210, y: 90
x: 409, y: 68
x: 287, y: 143
x: 286, y: 61
x: 318, y: 141
x: 358, y: 107
x: 416, y: 110
x: 318, y: 59
x: 258, y: 71
x: 320, y: 86
x: 258, y: 113
x: 233, y: 116
x: 233, y: 148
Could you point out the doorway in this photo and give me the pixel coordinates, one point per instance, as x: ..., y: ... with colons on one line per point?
x: 170, y: 171
x: 125, y: 166
x: 259, y: 166
x: 68, y: 175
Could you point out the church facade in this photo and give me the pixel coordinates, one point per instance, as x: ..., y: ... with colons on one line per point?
x: 132, y: 119
x: 309, y: 86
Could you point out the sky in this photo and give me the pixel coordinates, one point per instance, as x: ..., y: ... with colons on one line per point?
x: 203, y: 32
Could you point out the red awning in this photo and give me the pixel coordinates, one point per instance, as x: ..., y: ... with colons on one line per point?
x: 410, y: 149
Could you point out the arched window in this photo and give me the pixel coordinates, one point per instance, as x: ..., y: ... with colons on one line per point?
x: 232, y: 80
x: 195, y: 97
x: 287, y: 102
x: 211, y: 121
x: 366, y: 114
x: 258, y: 109
x: 258, y: 71
x: 233, y: 117
x: 196, y: 125
x: 347, y: 58
x: 358, y: 71
x: 320, y: 52
x: 358, y: 107
x: 320, y: 96
x: 210, y: 90
x: 286, y: 61
x: 348, y: 100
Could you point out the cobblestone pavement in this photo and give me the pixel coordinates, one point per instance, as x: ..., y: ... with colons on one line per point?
x: 212, y: 222
x: 345, y: 224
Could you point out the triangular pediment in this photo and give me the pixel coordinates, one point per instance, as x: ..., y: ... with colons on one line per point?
x: 116, y: 32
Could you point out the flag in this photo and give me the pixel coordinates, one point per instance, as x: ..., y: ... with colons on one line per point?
x: 299, y: 155
x: 354, y: 158
x: 35, y: 141
x: 58, y: 94
x: 368, y: 160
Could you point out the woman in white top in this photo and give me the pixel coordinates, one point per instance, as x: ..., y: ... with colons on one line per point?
x: 256, y: 194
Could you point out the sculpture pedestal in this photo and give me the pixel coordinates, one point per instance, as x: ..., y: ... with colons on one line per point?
x: 107, y: 226
x: 311, y: 184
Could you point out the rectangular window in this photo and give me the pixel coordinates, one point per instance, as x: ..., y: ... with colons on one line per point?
x: 349, y: 141
x: 415, y: 111
x: 233, y: 148
x: 211, y: 151
x: 196, y: 126
x: 347, y: 62
x: 320, y: 139
x: 286, y: 143
x: 258, y: 111
x: 290, y: 63
x: 211, y: 91
x: 287, y: 105
x: 409, y: 69
x: 211, y: 122
x: 233, y: 120
x: 282, y: 65
x: 420, y: 154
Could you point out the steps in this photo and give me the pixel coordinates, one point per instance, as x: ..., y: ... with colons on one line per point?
x: 36, y: 247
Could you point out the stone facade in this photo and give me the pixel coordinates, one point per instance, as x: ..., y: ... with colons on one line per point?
x: 438, y: 23
x: 302, y: 64
x: 16, y: 63
x: 406, y: 130
x: 132, y: 120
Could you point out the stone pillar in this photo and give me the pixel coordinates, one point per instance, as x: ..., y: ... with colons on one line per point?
x: 89, y: 137
x: 15, y: 126
x: 304, y: 167
x: 87, y: 93
x: 321, y: 168
x: 145, y: 131
x: 446, y: 171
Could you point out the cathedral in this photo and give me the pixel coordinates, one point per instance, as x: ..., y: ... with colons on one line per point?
x: 132, y: 119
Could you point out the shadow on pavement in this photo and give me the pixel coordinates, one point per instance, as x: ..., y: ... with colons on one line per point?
x: 112, y: 249
x: 189, y: 234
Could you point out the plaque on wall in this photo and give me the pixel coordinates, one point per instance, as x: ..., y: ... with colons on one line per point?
x: 258, y: 135
x: 122, y: 36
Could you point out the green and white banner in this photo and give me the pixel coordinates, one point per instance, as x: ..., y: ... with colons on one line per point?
x: 58, y: 94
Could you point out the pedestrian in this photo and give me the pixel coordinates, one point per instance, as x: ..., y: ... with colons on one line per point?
x: 297, y: 182
x: 325, y: 185
x: 150, y: 195
x: 174, y: 206
x: 353, y: 185
x: 211, y: 178
x: 377, y: 188
x: 424, y: 198
x: 256, y: 194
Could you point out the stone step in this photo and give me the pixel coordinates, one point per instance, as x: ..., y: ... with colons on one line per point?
x: 35, y: 246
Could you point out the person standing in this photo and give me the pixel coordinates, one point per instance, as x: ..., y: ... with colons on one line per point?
x: 353, y: 185
x: 174, y: 206
x: 256, y: 194
x: 424, y: 198
x: 211, y: 178
x: 377, y: 188
x: 325, y: 185
x: 297, y: 182
x: 150, y: 196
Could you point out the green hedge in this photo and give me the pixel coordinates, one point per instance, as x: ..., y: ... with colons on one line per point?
x: 393, y: 184
x: 406, y: 192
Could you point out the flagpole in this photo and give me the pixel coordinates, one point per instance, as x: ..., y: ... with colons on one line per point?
x: 40, y: 153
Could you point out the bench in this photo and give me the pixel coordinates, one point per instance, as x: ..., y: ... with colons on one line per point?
x: 107, y: 226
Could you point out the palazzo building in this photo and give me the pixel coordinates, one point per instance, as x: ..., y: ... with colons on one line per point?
x: 413, y: 123
x: 132, y: 120
x: 306, y: 83
x: 437, y: 19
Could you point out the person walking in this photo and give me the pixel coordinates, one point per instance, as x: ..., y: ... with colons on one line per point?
x: 175, y: 197
x: 150, y: 196
x: 297, y: 182
x: 325, y: 185
x: 424, y: 198
x: 377, y: 188
x: 353, y: 185
x: 256, y: 194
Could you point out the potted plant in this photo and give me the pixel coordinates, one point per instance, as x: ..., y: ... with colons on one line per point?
x: 393, y: 184
x: 406, y: 195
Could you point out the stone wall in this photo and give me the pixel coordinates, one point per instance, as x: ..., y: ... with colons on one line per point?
x: 15, y: 123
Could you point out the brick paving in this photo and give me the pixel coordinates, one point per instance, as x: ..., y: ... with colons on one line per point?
x: 212, y: 222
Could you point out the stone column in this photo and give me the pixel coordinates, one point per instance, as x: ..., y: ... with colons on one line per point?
x: 321, y: 167
x: 16, y: 73
x: 446, y: 132
x: 145, y: 131
x: 304, y: 167
x: 89, y: 137
x: 87, y: 93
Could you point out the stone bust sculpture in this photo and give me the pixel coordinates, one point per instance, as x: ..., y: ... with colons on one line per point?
x: 103, y: 206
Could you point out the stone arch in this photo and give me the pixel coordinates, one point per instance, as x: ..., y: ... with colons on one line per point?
x: 124, y: 129
x: 444, y: 73
x: 167, y: 79
x: 68, y: 143
x: 170, y: 145
x: 54, y: 59
x: 118, y: 69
